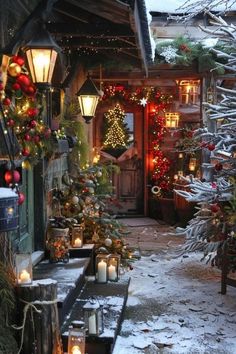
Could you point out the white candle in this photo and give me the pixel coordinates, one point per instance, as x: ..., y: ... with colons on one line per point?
x: 24, y: 277
x: 92, y: 324
x: 102, y: 272
x: 112, y: 272
x: 77, y: 242
x: 75, y: 350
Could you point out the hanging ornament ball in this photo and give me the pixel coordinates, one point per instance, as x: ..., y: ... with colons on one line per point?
x: 30, y: 90
x: 218, y: 166
x: 14, y: 69
x: 16, y: 86
x: 18, y: 60
x: 215, y: 208
x: 33, y: 123
x: 211, y: 147
x: 27, y: 137
x: 32, y: 112
x: 108, y: 242
x: 23, y: 80
x: 21, y: 198
x: 75, y: 199
x: 99, y: 174
x: 12, y: 176
x: 26, y: 165
x: 6, y: 101
x: 25, y: 152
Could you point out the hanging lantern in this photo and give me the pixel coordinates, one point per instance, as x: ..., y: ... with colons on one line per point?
x: 113, y: 267
x: 41, y: 54
x: 189, y: 92
x: 9, y: 214
x: 192, y: 164
x: 23, y: 263
x: 93, y: 318
x: 88, y: 96
x: 101, y: 268
x: 77, y: 236
x: 76, y: 338
x: 171, y: 119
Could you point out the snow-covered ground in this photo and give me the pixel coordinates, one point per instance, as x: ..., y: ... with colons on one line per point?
x: 175, y: 306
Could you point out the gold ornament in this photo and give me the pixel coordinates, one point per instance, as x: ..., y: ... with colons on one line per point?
x: 26, y: 165
x: 14, y: 69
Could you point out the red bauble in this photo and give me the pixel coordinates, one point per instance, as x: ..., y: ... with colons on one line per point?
x: 21, y: 198
x: 33, y: 123
x: 36, y: 139
x: 32, y: 112
x: 23, y: 80
x: 1, y: 86
x: 25, y: 152
x: 16, y: 86
x: 10, y: 123
x: 6, y: 101
x: 27, y: 137
x: 211, y: 147
x: 218, y: 166
x: 12, y: 176
x: 18, y: 60
x: 30, y: 90
x: 215, y: 208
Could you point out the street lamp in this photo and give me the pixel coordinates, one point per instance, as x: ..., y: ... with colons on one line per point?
x: 88, y: 96
x: 41, y: 54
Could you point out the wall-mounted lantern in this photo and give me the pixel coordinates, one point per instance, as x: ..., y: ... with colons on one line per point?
x: 171, y: 119
x: 189, y: 92
x: 88, y: 96
x: 41, y: 54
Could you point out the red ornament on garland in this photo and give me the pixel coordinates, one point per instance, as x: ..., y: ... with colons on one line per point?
x: 33, y: 123
x: 12, y: 176
x: 18, y: 60
x: 27, y: 137
x: 215, y: 208
x: 32, y: 112
x: 21, y: 198
x: 10, y: 123
x: 1, y: 86
x: 25, y: 152
x: 36, y: 139
x: 16, y: 86
x: 211, y: 147
x: 23, y: 80
x: 6, y: 101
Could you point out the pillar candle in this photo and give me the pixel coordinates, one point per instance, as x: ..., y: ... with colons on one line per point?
x: 75, y: 350
x: 102, y: 272
x: 77, y: 242
x: 112, y: 275
x: 24, y: 277
x: 92, y: 324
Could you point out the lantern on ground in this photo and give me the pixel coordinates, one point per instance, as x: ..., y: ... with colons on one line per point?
x: 93, y: 318
x: 58, y: 244
x: 171, y: 120
x: 77, y: 236
x: 101, y: 268
x: 113, y: 267
x: 41, y: 54
x: 88, y: 96
x: 23, y: 265
x: 76, y: 338
x: 8, y: 209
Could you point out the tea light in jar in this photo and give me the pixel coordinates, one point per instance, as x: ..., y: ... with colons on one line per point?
x: 24, y: 277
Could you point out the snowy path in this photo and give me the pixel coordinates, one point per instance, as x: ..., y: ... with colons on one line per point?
x: 174, y: 306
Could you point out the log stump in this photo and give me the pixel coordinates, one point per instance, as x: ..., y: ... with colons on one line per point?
x: 41, y: 324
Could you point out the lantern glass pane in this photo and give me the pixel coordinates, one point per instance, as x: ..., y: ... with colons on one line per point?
x: 101, y: 268
x: 88, y: 104
x: 41, y: 64
x: 113, y: 267
x: 23, y: 265
x: 93, y: 318
x: 77, y: 236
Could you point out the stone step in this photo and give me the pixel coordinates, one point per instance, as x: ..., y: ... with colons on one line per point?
x: 70, y: 279
x: 88, y: 250
x: 113, y: 297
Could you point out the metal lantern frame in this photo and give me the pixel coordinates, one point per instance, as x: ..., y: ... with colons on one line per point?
x: 113, y: 267
x: 41, y: 52
x: 101, y: 268
x: 192, y: 164
x: 172, y: 119
x: 189, y: 92
x: 93, y: 318
x: 23, y: 269
x: 77, y: 236
x: 76, y: 340
x: 88, y: 96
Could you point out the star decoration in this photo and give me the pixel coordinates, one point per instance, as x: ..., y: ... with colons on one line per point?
x: 143, y: 102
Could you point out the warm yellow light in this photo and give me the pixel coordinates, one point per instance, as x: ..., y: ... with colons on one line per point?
x: 171, y: 119
x: 41, y: 63
x: 75, y: 350
x: 192, y: 164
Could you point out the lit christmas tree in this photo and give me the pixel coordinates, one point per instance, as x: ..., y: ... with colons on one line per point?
x: 116, y: 132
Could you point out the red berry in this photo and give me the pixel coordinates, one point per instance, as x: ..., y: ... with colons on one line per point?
x: 6, y: 101
x: 16, y: 86
x: 21, y: 198
x: 211, y: 147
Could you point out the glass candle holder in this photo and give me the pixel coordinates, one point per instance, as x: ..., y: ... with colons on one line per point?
x: 58, y: 245
x: 113, y: 267
x: 77, y: 236
x: 76, y: 340
x: 93, y: 318
x: 24, y: 273
x: 101, y: 268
